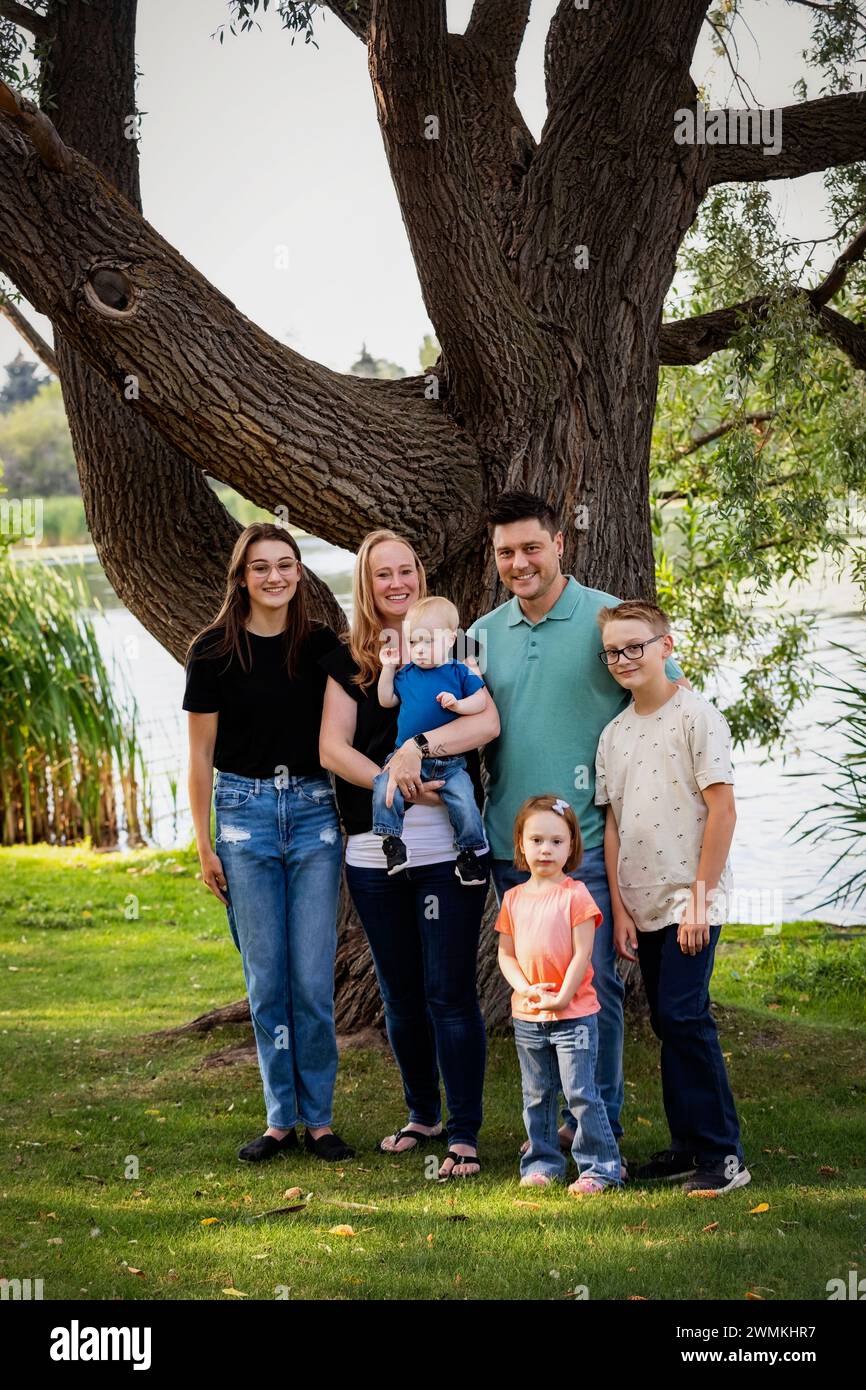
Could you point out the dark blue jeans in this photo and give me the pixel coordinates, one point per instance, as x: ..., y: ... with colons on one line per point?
x: 458, y: 795
x: 423, y: 928
x: 606, y: 980
x: 697, y: 1095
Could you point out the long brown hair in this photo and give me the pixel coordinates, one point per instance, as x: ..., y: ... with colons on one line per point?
x: 235, y: 608
x: 365, y: 635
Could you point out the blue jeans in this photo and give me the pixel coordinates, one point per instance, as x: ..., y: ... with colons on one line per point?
x: 561, y: 1056
x: 458, y: 795
x: 606, y: 980
x: 281, y: 851
x: 423, y: 928
x: 697, y: 1095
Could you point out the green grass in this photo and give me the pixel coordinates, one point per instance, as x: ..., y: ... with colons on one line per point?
x: 83, y: 982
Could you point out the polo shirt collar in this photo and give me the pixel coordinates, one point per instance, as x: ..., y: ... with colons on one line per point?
x: 563, y: 608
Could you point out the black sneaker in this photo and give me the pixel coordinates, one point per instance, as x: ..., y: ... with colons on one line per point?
x: 265, y: 1146
x: 666, y: 1166
x: 396, y: 854
x: 468, y: 870
x: 717, y: 1180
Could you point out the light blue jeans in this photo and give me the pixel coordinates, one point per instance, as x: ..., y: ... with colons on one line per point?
x: 281, y: 850
x: 561, y: 1056
x: 606, y: 979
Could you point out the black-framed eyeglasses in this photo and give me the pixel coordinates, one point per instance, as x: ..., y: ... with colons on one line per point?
x: 634, y: 651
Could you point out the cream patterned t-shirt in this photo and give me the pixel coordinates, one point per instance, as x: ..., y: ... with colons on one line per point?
x: 651, y: 769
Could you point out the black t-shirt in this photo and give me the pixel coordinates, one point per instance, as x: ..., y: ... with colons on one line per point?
x: 266, y: 720
x: 376, y: 737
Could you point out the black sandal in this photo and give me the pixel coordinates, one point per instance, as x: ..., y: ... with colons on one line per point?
x: 409, y: 1134
x: 460, y: 1158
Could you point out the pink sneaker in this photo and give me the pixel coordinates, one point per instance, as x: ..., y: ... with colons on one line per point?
x: 586, y: 1187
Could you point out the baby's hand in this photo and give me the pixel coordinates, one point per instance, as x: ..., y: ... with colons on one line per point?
x: 389, y: 656
x: 446, y: 699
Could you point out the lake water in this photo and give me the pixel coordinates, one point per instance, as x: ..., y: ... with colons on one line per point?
x: 776, y: 878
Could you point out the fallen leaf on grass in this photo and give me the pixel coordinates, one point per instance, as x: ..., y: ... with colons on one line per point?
x: 131, y: 1269
x: 827, y: 1172
x: 342, y: 1231
x: 762, y: 1206
x: 347, y: 1206
x: 754, y: 1297
x: 641, y: 1227
x: 518, y: 1203
x: 235, y: 1293
x: 713, y: 1226
x: 211, y: 1221
x: 55, y: 1240
x: 292, y: 1192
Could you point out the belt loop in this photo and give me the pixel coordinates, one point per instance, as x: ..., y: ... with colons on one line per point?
x: 258, y: 790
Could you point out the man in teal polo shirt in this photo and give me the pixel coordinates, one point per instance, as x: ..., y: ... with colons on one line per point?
x: 539, y: 657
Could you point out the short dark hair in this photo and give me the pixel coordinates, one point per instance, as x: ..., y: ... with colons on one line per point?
x: 518, y: 506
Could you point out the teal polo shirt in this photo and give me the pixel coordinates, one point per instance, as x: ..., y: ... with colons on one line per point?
x: 554, y: 698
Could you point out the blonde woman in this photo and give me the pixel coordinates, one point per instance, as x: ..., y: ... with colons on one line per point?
x: 422, y: 924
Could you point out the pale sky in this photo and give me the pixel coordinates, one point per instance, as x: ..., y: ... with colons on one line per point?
x: 258, y: 144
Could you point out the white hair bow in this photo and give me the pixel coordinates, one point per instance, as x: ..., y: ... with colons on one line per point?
x: 560, y: 806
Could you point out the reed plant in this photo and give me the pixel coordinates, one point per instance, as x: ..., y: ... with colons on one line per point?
x: 70, y: 759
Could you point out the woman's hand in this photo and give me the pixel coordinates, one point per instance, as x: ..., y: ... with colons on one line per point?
x: 212, y: 875
x: 404, y: 771
x: 428, y: 795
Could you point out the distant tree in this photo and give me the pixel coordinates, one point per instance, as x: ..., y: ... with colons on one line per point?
x: 36, y: 446
x: 376, y: 367
x: 22, y: 383
x: 429, y: 352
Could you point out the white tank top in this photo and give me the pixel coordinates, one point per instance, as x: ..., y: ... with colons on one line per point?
x: 427, y: 834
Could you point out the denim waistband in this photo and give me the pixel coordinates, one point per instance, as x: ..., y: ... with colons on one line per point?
x: 282, y: 781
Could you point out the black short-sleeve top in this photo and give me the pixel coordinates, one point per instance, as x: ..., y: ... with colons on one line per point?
x: 376, y: 737
x: 267, y: 719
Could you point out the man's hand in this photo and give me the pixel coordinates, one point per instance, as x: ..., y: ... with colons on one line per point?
x: 447, y: 699
x: 625, y: 936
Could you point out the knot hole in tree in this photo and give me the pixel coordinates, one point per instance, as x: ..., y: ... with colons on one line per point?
x: 110, y: 291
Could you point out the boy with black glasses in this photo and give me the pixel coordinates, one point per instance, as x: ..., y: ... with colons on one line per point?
x: 663, y: 770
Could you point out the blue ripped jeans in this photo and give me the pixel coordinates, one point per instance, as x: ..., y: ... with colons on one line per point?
x: 281, y: 850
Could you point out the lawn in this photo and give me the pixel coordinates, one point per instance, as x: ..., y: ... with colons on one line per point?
x: 120, y: 1172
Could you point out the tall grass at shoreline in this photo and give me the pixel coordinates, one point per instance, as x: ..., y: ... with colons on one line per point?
x: 70, y: 760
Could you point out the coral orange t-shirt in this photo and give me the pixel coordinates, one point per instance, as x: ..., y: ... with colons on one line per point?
x: 540, y: 924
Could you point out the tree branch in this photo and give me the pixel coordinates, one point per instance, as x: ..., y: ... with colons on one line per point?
x: 489, y: 341
x: 356, y: 18
x: 25, y: 18
x: 36, y: 126
x: 497, y: 27
x: 339, y: 452
x: 815, y: 135
x: 34, y: 340
x: 689, y: 341
x: 709, y: 436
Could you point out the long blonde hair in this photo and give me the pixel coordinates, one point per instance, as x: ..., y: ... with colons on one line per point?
x: 364, y: 638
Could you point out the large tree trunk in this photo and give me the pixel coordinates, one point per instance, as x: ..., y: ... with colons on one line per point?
x: 544, y: 269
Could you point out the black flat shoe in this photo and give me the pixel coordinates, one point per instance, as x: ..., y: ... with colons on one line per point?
x: 328, y: 1146
x: 265, y: 1146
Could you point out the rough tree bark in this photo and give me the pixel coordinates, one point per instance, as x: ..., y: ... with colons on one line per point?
x: 544, y: 268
